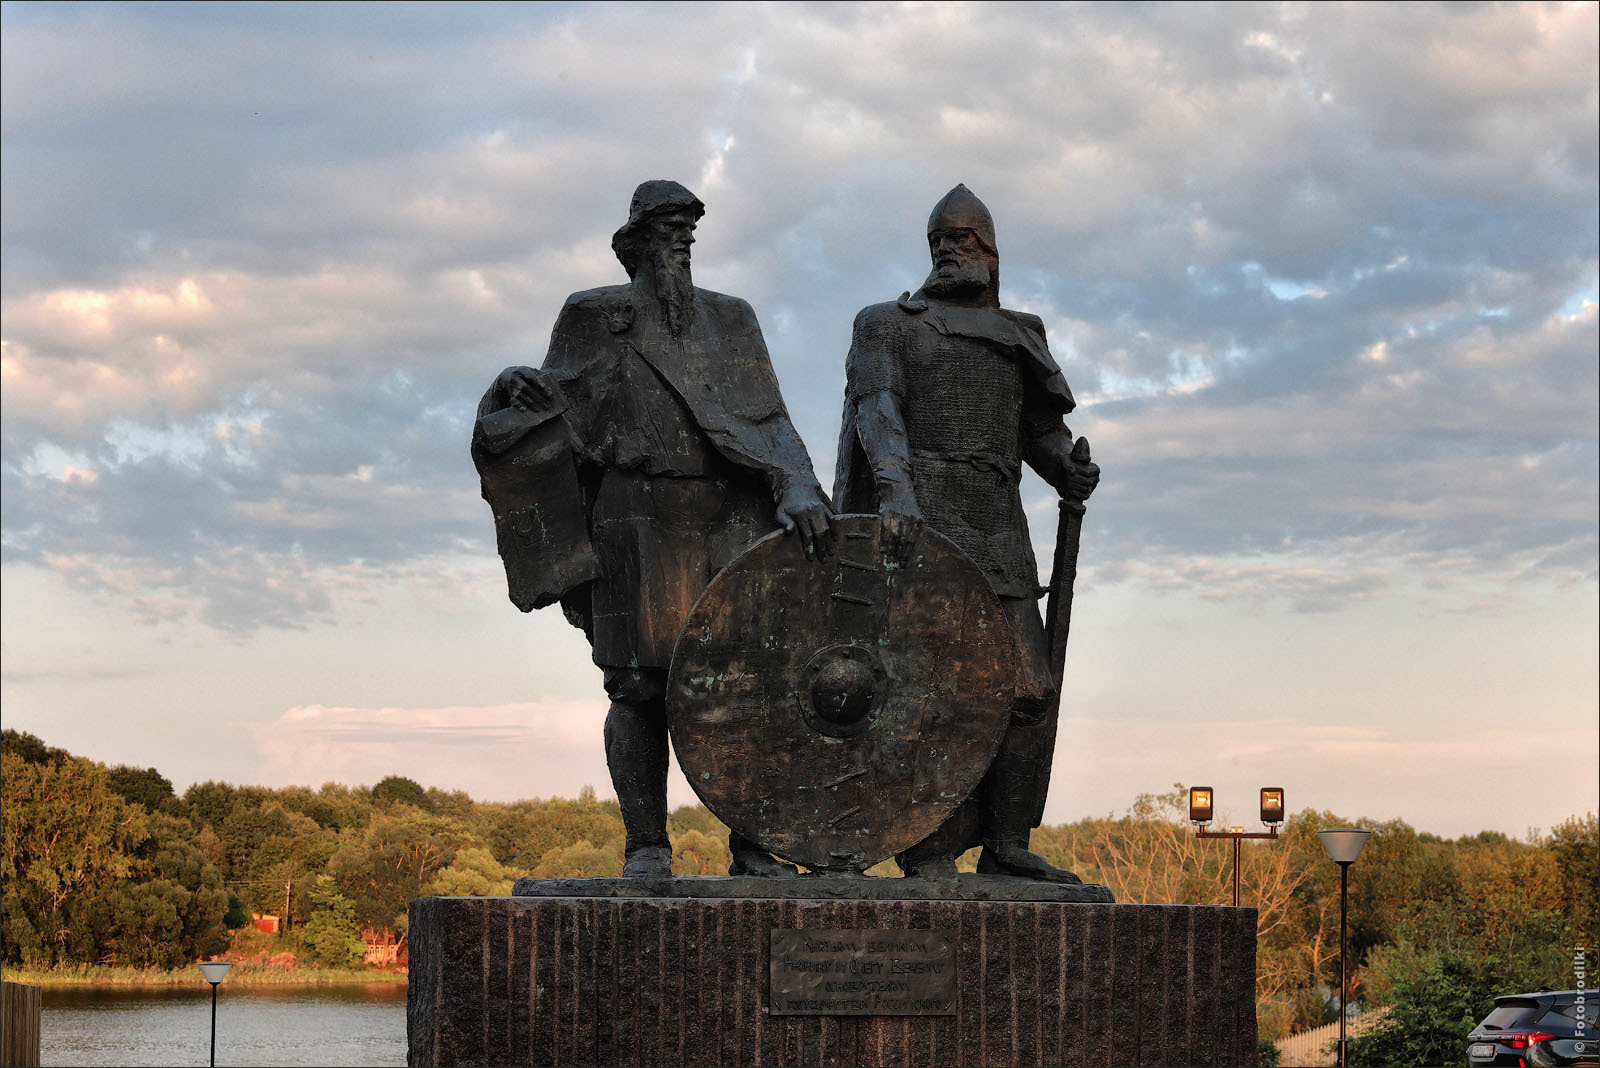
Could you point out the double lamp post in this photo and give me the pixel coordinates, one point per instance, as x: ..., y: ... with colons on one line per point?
x: 1200, y: 814
x: 1344, y: 845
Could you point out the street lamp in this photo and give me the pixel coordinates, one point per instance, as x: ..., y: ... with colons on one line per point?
x: 1200, y: 814
x: 214, y: 971
x: 1344, y: 845
x: 1271, y: 805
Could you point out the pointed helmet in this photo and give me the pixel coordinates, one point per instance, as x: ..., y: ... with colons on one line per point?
x: 961, y: 210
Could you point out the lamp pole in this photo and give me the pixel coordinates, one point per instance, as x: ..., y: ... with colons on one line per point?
x: 1344, y: 981
x: 1236, y: 833
x: 1344, y: 845
x: 214, y: 971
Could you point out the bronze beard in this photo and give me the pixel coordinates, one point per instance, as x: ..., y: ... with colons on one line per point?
x: 971, y: 276
x: 674, y: 285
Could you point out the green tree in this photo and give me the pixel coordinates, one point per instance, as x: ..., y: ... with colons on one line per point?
x: 142, y: 786
x: 473, y: 873
x: 1575, y: 846
x: 697, y: 853
x: 581, y: 860
x: 65, y: 838
x: 141, y: 924
x: 388, y: 865
x: 284, y: 864
x: 351, y: 806
x: 696, y: 818
x: 310, y: 804
x: 521, y: 834
x: 209, y: 803
x: 453, y: 804
x: 397, y: 789
x: 332, y: 935
x: 248, y: 826
x: 29, y: 747
x: 169, y: 855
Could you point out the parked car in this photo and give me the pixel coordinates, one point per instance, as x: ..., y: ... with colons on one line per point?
x: 1539, y: 1030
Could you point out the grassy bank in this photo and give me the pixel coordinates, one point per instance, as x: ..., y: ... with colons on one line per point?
x: 247, y: 974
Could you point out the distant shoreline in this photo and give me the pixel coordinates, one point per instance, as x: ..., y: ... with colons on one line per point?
x: 240, y: 975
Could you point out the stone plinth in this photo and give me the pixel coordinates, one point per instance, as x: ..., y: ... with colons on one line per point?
x: 684, y: 980
x: 819, y: 888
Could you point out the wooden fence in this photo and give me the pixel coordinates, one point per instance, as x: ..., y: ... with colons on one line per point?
x: 1305, y: 1050
x: 19, y: 1026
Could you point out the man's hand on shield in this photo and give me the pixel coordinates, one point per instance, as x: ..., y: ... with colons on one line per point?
x: 528, y: 391
x: 902, y: 522
x: 804, y: 509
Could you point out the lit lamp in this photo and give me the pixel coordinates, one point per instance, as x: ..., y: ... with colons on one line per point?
x: 214, y: 971
x: 1271, y: 805
x: 1199, y: 804
x: 1344, y: 845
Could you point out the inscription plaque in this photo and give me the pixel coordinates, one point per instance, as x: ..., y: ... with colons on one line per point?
x: 862, y: 973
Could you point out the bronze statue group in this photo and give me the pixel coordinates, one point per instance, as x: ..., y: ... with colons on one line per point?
x: 653, y: 446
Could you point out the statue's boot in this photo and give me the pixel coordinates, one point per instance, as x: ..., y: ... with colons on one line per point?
x: 1007, y: 817
x: 751, y: 859
x: 932, y: 865
x: 935, y: 856
x: 649, y: 862
x: 636, y: 753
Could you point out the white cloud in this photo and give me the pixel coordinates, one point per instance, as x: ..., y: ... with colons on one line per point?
x: 1322, y: 276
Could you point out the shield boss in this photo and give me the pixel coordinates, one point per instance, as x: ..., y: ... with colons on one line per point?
x: 836, y: 712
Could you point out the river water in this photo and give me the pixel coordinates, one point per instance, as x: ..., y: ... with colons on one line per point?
x: 288, y: 1025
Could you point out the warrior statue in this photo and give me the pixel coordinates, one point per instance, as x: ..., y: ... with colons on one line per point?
x: 948, y: 394
x: 650, y: 449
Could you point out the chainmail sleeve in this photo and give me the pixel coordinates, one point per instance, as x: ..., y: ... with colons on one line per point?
x: 875, y: 386
x: 876, y: 363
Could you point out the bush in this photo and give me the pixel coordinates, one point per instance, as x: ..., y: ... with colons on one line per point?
x: 1438, y: 994
x: 237, y: 915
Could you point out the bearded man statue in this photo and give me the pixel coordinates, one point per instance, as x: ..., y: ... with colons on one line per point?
x: 648, y: 451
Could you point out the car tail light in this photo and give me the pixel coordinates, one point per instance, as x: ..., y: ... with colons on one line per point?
x: 1522, y: 1039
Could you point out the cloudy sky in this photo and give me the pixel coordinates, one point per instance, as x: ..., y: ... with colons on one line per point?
x: 1323, y: 278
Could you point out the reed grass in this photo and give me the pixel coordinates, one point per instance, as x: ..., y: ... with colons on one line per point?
x: 247, y: 973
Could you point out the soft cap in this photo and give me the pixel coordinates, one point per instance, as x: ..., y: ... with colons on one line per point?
x: 660, y: 195
x: 651, y: 198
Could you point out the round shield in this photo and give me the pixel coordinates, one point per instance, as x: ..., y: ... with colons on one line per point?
x: 837, y: 711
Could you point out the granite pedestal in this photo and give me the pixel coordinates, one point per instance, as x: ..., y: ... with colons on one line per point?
x: 606, y: 972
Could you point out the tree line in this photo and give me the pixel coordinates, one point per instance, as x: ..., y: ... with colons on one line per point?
x: 1437, y: 927
x: 110, y: 865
